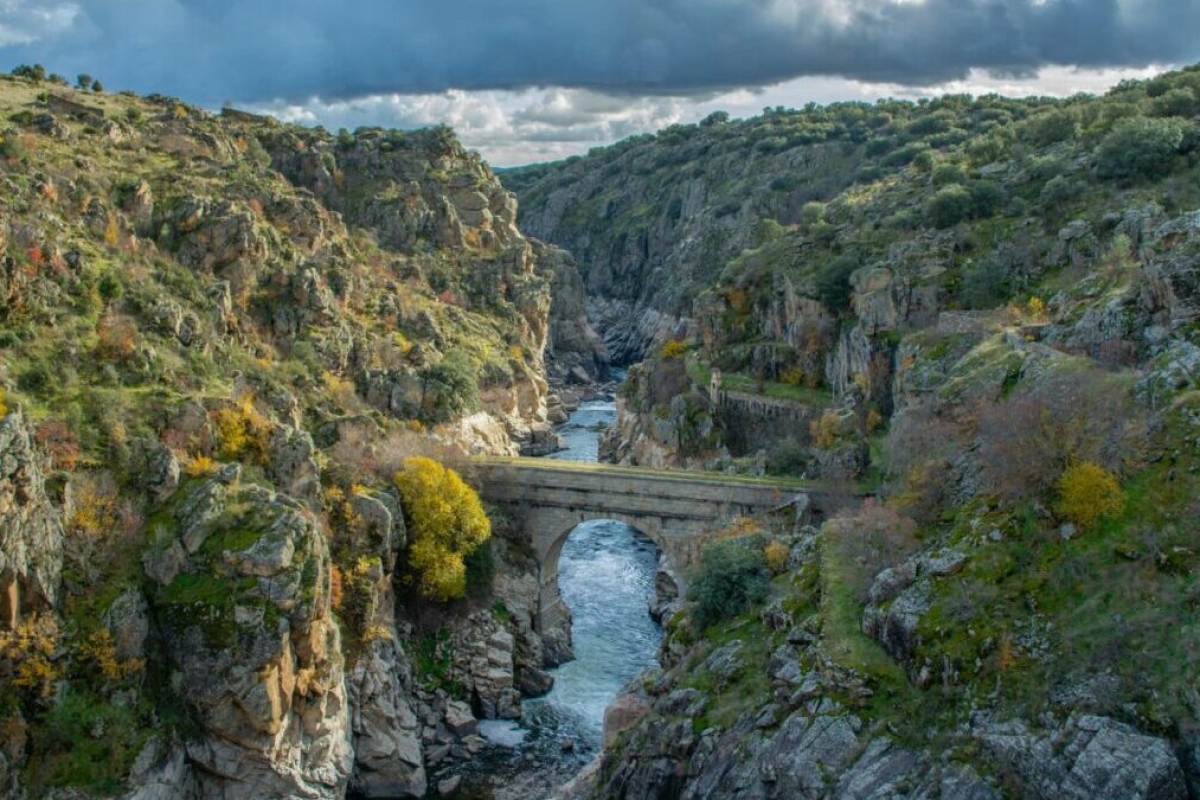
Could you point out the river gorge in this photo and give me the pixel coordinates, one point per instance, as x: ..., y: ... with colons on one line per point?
x: 606, y: 576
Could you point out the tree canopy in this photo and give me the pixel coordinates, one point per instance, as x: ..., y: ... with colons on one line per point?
x: 446, y: 522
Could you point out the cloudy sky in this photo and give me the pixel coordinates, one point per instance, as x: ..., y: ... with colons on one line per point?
x: 530, y: 80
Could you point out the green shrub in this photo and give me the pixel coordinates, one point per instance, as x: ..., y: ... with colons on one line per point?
x: 481, y: 570
x: 71, y: 754
x: 924, y: 162
x: 433, y: 661
x: 1044, y: 169
x: 1050, y: 127
x: 449, y: 388
x: 986, y: 150
x: 768, y: 230
x: 732, y: 577
x: 949, y: 207
x: 905, y: 155
x: 833, y: 282
x: 36, y: 379
x: 1176, y: 103
x: 786, y: 457
x: 812, y: 213
x: 1059, y: 191
x: 1140, y: 148
x: 986, y: 198
x: 947, y: 174
x: 985, y: 286
x: 937, y: 122
x: 34, y: 72
x: 11, y: 148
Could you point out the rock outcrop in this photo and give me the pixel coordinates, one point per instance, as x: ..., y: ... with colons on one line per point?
x: 663, y: 420
x: 779, y: 713
x: 388, y: 757
x: 244, y: 607
x: 575, y: 352
x: 1087, y: 757
x: 31, y: 530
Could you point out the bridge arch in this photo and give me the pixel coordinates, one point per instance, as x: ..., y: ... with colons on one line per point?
x: 678, y: 511
x: 549, y: 545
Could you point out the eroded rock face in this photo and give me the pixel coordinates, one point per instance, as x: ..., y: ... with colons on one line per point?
x: 31, y: 531
x: 898, y: 599
x: 1088, y: 757
x: 575, y: 350
x: 484, y: 661
x: 247, y: 622
x: 155, y: 468
x: 387, y: 734
x: 663, y: 420
x: 294, y: 465
x: 623, y: 713
x: 814, y: 753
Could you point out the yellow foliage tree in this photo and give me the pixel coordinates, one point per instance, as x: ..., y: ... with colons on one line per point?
x: 199, y: 466
x: 674, y: 349
x: 446, y: 522
x: 777, y: 554
x: 825, y: 431
x: 95, y: 514
x: 1087, y: 492
x: 112, y: 232
x: 244, y: 433
x: 100, y: 651
x: 3, y: 405
x: 27, y: 654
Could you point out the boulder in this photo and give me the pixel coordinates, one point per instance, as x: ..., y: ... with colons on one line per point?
x: 895, y: 626
x: 623, y: 713
x: 459, y: 719
x: 294, y: 465
x: 154, y: 468
x: 128, y: 619
x: 535, y: 682
x: 162, y: 772
x: 1087, y: 757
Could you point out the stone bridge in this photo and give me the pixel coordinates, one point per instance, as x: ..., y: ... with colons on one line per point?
x: 676, y: 510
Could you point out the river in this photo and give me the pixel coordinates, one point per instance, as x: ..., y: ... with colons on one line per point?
x: 606, y: 576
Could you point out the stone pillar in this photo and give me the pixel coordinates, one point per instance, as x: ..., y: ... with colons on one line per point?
x: 10, y: 604
x: 553, y: 625
x: 714, y: 387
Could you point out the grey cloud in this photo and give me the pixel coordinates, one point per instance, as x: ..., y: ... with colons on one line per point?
x: 258, y: 50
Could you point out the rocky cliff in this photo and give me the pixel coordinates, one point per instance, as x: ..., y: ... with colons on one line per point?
x: 654, y: 219
x: 31, y: 531
x: 991, y: 313
x: 786, y: 702
x: 220, y: 337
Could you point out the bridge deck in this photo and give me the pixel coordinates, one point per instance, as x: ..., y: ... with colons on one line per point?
x: 687, y: 476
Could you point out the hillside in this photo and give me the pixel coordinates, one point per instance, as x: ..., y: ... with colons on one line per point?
x: 220, y: 338
x: 793, y: 201
x: 982, y: 311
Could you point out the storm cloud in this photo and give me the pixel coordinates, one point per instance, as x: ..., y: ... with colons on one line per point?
x: 246, y: 51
